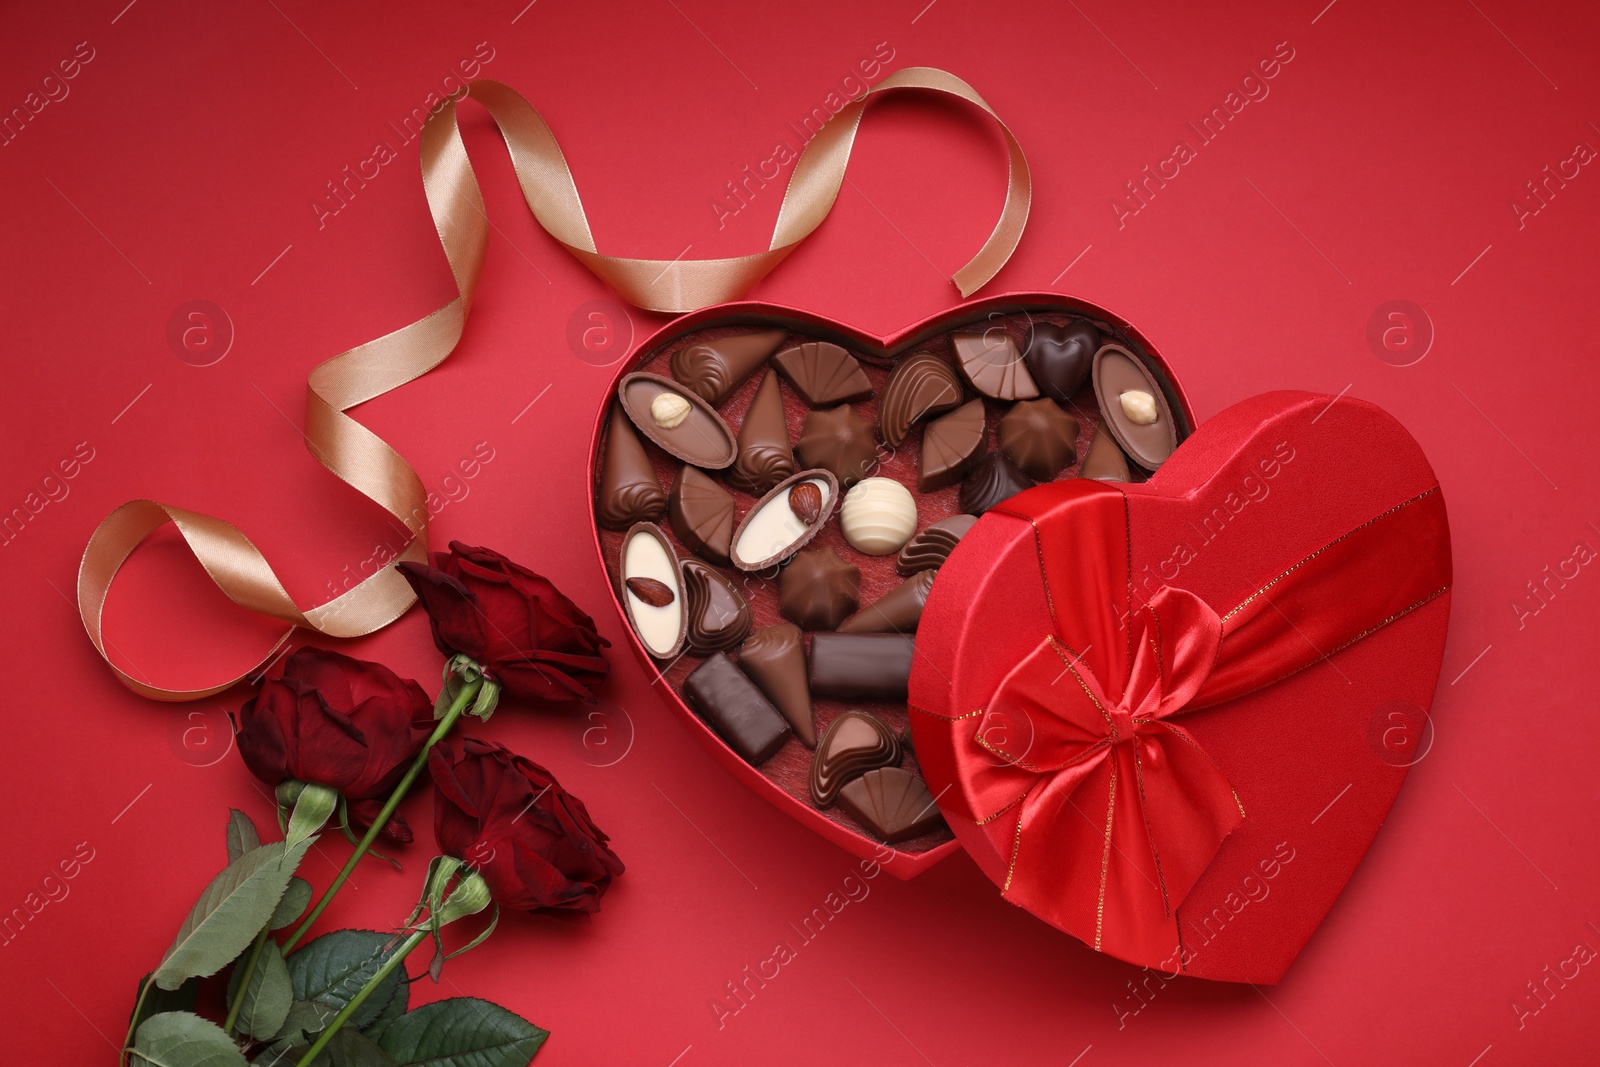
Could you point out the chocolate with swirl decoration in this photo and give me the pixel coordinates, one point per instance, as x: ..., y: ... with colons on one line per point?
x: 765, y: 458
x: 718, y: 615
x: 993, y: 479
x: 713, y: 369
x: 921, y: 386
x: 628, y: 492
x: 932, y: 546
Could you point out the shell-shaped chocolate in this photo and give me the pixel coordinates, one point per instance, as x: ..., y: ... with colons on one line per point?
x: 719, y: 615
x: 992, y: 479
x: 950, y: 445
x: 713, y: 369
x: 932, y: 546
x: 823, y: 374
x: 922, y: 385
x: 701, y: 514
x: 853, y: 744
x: 893, y: 803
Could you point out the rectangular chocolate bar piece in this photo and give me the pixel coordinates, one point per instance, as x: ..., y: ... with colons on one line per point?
x: 732, y: 705
x: 865, y: 666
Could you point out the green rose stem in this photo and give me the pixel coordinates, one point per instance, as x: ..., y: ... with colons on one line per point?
x: 399, y: 957
x: 244, y: 979
x: 463, y: 700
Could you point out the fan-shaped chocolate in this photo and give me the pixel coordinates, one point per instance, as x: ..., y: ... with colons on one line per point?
x: 628, y: 491
x: 775, y: 657
x: 950, y: 445
x: 1059, y: 357
x: 897, y: 611
x: 701, y: 514
x: 1104, y: 461
x: 765, y: 458
x: 992, y: 479
x: 776, y: 528
x: 1147, y: 440
x: 699, y: 437
x: 892, y: 803
x: 713, y: 369
x: 854, y: 743
x: 719, y: 615
x: 818, y: 590
x: 1039, y: 438
x: 990, y: 361
x: 838, y: 440
x: 923, y: 385
x: 930, y: 547
x: 823, y: 374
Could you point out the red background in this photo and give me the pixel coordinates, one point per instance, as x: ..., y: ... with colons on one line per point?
x: 1381, y: 166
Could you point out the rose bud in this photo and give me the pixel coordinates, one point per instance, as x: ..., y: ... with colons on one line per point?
x: 515, y: 625
x: 344, y: 723
x: 532, y: 841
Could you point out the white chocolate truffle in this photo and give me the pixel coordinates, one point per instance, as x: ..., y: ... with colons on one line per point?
x: 1140, y: 407
x: 878, y: 516
x: 669, y: 410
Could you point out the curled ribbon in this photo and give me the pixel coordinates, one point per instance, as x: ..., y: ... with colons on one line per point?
x: 1113, y: 811
x: 371, y: 467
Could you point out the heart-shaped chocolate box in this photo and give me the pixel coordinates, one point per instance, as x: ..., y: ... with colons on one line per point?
x: 783, y: 779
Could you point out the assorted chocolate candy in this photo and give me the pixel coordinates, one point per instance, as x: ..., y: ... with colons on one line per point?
x: 776, y: 508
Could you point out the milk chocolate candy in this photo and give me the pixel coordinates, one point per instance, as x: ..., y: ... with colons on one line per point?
x: 647, y: 560
x: 861, y: 666
x: 1133, y: 406
x: 695, y: 434
x: 701, y: 515
x: 930, y: 547
x: 1059, y: 357
x: 841, y: 441
x: 775, y: 658
x: 992, y: 479
x: 628, y: 491
x: 719, y: 615
x: 713, y: 369
x: 990, y: 361
x: 897, y: 611
x: 853, y: 744
x: 731, y: 705
x: 823, y: 374
x: 922, y: 386
x: 892, y: 803
x: 1104, y: 461
x: 1039, y: 438
x: 765, y: 458
x: 950, y: 445
x: 818, y: 590
x: 785, y: 520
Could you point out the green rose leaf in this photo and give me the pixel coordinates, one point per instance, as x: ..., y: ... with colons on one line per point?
x: 462, y: 1032
x: 183, y: 1039
x: 349, y: 1048
x: 242, y: 835
x: 328, y: 972
x: 158, y: 1000
x: 230, y: 912
x: 266, y: 1002
x: 294, y: 903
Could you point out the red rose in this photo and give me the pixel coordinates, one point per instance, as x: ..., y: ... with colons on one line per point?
x: 515, y: 624
x: 531, y: 840
x: 344, y: 723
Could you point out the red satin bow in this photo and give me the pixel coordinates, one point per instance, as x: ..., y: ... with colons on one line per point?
x: 1118, y: 811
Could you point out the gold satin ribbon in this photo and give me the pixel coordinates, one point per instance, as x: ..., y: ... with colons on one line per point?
x: 359, y: 457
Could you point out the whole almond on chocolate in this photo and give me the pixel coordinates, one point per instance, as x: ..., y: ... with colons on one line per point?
x: 805, y: 500
x: 656, y: 594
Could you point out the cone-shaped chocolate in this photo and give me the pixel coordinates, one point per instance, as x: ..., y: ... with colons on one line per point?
x: 628, y: 492
x: 765, y: 458
x: 1104, y: 461
x: 701, y: 514
x: 713, y: 369
x: 775, y: 659
x: 897, y: 611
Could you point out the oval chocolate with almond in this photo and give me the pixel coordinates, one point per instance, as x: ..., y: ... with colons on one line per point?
x: 783, y: 521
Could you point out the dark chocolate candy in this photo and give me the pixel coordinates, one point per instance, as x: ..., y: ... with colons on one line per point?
x: 1118, y: 375
x: 841, y: 441
x: 892, y: 803
x: 823, y: 374
x: 701, y: 514
x: 853, y: 744
x: 628, y: 491
x: 1039, y: 438
x: 950, y: 445
x: 923, y: 385
x: 701, y: 438
x: 818, y: 590
x: 775, y: 656
x: 765, y: 458
x: 1060, y: 356
x: 897, y: 611
x: 930, y: 547
x: 864, y: 666
x: 731, y: 705
x: 990, y: 361
x: 1104, y: 461
x: 991, y: 480
x: 719, y: 615
x: 713, y: 369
